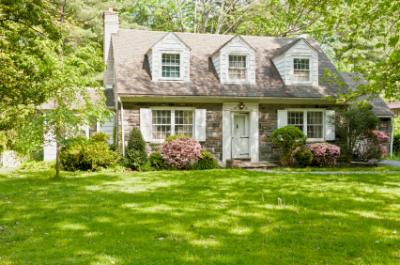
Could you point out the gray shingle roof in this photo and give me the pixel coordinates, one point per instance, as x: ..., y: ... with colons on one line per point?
x: 394, y: 105
x: 379, y: 106
x: 133, y: 77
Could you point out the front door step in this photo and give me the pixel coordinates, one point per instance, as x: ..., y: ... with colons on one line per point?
x: 240, y: 163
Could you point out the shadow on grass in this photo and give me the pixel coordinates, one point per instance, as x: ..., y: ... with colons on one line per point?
x: 199, y: 217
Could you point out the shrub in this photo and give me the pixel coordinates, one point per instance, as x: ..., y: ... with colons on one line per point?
x: 99, y: 137
x: 303, y: 157
x: 156, y: 161
x: 206, y: 161
x: 181, y: 153
x: 87, y: 154
x: 287, y: 139
x: 97, y: 155
x: 136, y: 155
x: 373, y: 146
x: 71, y: 153
x: 175, y: 137
x: 357, y: 123
x: 324, y: 154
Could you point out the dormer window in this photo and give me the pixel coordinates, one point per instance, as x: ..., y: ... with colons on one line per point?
x: 301, y: 69
x: 171, y: 66
x: 237, y: 67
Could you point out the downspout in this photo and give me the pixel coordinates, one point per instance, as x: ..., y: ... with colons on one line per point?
x: 122, y: 126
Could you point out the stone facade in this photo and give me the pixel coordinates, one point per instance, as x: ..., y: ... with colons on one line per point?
x: 267, y: 124
x: 213, y: 141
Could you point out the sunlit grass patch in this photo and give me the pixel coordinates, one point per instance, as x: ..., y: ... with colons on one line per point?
x: 199, y: 217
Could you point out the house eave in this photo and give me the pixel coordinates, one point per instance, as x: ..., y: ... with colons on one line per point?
x: 222, y: 99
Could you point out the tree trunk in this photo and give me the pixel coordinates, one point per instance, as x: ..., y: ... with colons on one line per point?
x: 58, y: 164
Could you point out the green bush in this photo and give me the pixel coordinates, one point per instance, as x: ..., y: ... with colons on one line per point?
x: 303, y: 157
x: 396, y: 144
x: 71, y: 153
x: 175, y: 137
x: 157, y: 162
x: 287, y: 139
x: 136, y: 155
x: 97, y: 155
x: 206, y: 161
x: 99, y: 137
x: 81, y: 153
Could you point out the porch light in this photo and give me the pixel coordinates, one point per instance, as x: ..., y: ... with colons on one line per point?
x: 241, y: 105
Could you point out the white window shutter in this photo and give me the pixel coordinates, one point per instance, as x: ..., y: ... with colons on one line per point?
x: 282, y: 118
x: 330, y: 122
x: 200, y: 116
x: 145, y: 124
x: 50, y: 146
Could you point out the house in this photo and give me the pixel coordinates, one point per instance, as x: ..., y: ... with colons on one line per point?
x: 228, y: 92
x: 395, y: 107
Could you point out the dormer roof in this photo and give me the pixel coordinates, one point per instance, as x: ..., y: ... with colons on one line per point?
x: 168, y: 34
x: 232, y: 39
x: 132, y: 78
x: 287, y: 47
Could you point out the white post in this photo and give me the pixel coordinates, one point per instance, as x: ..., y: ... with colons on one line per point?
x: 122, y: 128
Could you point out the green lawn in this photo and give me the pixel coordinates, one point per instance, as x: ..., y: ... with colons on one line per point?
x: 199, y: 217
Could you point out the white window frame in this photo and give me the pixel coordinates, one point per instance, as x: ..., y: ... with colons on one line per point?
x: 180, y: 78
x: 309, y: 65
x: 172, y: 109
x: 247, y: 68
x: 305, y: 122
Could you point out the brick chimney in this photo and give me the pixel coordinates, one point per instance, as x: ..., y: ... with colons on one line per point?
x: 111, y: 25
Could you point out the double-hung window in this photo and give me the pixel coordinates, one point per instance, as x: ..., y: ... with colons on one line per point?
x: 301, y: 69
x: 311, y: 122
x: 237, y: 67
x: 171, y: 65
x: 171, y: 122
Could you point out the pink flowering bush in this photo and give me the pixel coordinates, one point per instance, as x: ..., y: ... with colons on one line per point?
x: 181, y: 153
x: 381, y: 137
x: 324, y: 154
x: 374, y: 146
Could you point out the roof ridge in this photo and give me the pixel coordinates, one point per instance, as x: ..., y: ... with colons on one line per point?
x: 211, y: 34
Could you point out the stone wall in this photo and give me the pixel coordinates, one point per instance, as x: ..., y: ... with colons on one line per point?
x: 213, y: 141
x: 268, y: 120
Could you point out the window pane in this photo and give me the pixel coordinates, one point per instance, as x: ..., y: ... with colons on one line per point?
x: 161, y: 124
x: 237, y: 67
x: 314, y: 124
x: 296, y: 118
x: 184, y: 122
x: 301, y: 69
x: 170, y: 65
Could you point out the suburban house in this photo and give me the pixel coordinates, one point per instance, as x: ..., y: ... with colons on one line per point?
x: 395, y: 107
x: 228, y: 92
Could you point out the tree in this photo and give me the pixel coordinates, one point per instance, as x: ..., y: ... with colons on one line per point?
x: 27, y: 31
x: 75, y: 95
x: 359, y: 121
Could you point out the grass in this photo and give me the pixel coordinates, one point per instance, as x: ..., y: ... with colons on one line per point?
x: 199, y: 217
x: 394, y: 157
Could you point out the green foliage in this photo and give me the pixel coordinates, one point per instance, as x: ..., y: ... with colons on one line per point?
x: 136, y: 155
x: 359, y: 121
x: 100, y: 137
x: 157, y: 162
x: 92, y: 154
x: 303, y: 157
x: 175, y: 137
x: 206, y: 161
x: 287, y: 138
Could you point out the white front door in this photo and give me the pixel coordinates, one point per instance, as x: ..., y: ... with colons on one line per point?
x: 240, y: 135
